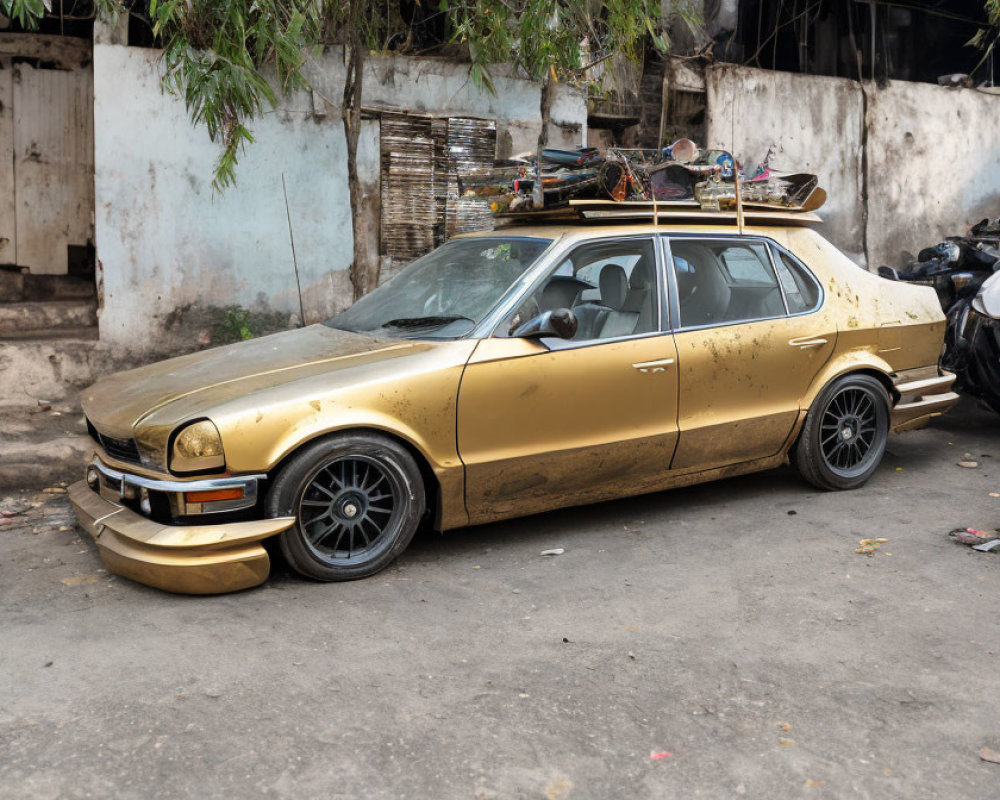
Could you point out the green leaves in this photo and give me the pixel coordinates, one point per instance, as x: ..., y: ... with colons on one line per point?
x: 986, y: 38
x: 218, y: 56
x: 545, y: 36
x: 223, y: 57
x: 26, y: 12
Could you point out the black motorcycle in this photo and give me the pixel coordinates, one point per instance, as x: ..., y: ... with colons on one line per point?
x: 963, y: 270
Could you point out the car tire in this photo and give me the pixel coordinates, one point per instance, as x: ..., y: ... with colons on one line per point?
x: 845, y: 433
x: 357, y: 498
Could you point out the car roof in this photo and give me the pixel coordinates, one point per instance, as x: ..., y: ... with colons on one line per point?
x: 595, y: 230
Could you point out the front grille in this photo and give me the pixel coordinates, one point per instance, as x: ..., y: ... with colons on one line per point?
x: 120, y: 449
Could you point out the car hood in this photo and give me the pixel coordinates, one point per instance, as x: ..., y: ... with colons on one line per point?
x: 118, y: 404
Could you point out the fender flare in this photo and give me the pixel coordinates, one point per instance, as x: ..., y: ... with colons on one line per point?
x: 853, y: 361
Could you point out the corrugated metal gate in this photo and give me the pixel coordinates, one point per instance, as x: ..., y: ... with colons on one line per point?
x: 422, y: 157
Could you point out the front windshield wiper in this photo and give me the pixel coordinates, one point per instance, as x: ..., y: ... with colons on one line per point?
x: 424, y: 322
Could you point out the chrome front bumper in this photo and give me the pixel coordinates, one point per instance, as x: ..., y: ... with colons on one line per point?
x: 189, y: 559
x: 116, y: 484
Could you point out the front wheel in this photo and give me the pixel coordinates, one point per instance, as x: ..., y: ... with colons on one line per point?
x: 357, y: 500
x: 845, y: 433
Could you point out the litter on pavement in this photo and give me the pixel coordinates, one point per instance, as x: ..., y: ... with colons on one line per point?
x: 976, y: 539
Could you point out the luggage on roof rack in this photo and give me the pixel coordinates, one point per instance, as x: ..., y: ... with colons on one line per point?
x: 678, y: 180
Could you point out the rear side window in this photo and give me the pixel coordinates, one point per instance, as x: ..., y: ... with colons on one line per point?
x: 747, y: 265
x: 721, y: 281
x: 801, y: 291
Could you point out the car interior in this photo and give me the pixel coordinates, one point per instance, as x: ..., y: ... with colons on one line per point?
x: 611, y: 287
x: 719, y: 281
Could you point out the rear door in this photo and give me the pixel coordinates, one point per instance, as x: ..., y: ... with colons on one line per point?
x: 753, y: 332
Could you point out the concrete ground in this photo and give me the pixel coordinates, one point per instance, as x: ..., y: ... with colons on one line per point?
x: 730, y: 625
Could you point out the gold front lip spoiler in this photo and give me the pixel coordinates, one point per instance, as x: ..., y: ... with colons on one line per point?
x: 191, y: 559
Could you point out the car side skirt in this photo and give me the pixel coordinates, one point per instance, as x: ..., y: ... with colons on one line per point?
x: 621, y: 490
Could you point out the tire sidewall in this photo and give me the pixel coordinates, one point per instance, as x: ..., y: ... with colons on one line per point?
x: 295, y: 476
x: 812, y: 441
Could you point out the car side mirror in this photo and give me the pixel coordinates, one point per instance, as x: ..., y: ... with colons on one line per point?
x: 560, y: 323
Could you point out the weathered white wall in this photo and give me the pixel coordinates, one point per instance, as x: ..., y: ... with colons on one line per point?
x: 934, y: 166
x: 815, y: 124
x: 443, y: 88
x: 166, y: 241
x: 921, y: 160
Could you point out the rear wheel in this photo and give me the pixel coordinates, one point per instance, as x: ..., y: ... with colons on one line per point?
x: 845, y: 433
x: 357, y: 500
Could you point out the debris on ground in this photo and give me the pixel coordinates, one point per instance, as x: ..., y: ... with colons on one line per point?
x: 810, y: 783
x: 976, y: 539
x: 869, y: 546
x: 988, y: 754
x: 785, y: 726
x: 79, y: 580
x: 555, y: 551
x: 786, y: 742
x: 969, y: 536
x: 656, y: 756
x: 559, y: 789
x: 968, y: 464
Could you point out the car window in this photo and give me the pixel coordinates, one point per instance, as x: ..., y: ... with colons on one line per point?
x: 444, y: 294
x: 801, y: 291
x: 747, y: 265
x: 722, y: 281
x: 611, y: 287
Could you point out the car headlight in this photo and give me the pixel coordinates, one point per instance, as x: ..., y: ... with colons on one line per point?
x: 196, y: 448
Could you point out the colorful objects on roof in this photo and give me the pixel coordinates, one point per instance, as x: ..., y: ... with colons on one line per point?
x: 678, y: 175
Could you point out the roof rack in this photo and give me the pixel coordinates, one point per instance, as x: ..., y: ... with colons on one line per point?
x: 660, y: 211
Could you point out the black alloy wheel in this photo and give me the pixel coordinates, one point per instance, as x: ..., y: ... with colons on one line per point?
x: 347, y: 507
x: 848, y: 430
x: 357, y: 498
x: 845, y: 433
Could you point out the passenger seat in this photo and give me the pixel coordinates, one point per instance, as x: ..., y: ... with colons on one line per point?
x: 631, y: 302
x: 592, y: 316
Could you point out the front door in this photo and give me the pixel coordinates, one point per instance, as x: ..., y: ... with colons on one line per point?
x: 562, y: 422
x: 753, y: 335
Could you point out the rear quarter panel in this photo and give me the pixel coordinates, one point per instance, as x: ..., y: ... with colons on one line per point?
x: 881, y: 325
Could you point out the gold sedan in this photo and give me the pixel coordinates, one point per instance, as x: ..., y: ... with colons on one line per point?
x: 504, y: 374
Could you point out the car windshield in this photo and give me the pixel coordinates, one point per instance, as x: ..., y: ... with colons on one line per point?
x: 446, y: 293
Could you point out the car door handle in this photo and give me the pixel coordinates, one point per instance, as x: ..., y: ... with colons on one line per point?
x: 805, y: 342
x: 654, y: 366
